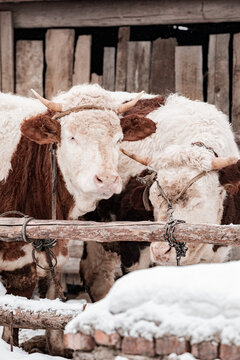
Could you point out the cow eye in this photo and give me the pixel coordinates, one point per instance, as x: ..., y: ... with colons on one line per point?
x: 72, y: 138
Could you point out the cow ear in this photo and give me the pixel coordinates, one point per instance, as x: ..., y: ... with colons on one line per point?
x: 136, y: 127
x: 42, y: 129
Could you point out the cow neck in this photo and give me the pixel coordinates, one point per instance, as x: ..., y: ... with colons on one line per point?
x: 28, y: 186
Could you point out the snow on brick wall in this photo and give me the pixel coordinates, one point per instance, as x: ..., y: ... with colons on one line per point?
x: 164, y: 310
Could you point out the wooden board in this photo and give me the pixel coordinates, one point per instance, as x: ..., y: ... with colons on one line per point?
x: 121, y: 62
x: 188, y: 70
x: 109, y: 68
x: 218, y: 71
x: 236, y: 86
x: 59, y: 61
x: 82, y: 63
x: 96, y: 79
x: 29, y: 67
x: 138, y: 66
x: 48, y: 14
x: 162, y: 76
x: 7, y: 52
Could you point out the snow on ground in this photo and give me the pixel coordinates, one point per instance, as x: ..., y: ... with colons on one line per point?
x: 19, y: 354
x: 201, y: 302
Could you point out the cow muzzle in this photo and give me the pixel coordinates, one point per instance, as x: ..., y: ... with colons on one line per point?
x: 108, y: 183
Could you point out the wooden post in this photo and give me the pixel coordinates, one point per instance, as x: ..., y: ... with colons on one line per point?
x: 138, y: 66
x: 218, y: 71
x: 188, y: 68
x: 109, y: 68
x: 7, y: 51
x: 121, y: 66
x: 29, y: 67
x: 82, y: 64
x: 236, y: 86
x: 96, y: 79
x: 10, y: 229
x: 162, y: 77
x: 59, y: 60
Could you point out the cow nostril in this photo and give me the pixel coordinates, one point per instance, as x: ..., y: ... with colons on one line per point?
x: 98, y: 180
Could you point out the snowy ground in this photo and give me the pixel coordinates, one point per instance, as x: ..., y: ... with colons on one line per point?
x: 201, y: 302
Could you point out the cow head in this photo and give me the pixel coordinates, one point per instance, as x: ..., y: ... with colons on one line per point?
x: 87, y: 137
x: 201, y: 202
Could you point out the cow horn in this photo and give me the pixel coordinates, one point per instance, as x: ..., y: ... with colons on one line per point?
x: 221, y: 162
x: 141, y: 160
x: 49, y: 104
x: 124, y: 107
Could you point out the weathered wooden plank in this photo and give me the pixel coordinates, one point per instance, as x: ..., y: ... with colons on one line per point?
x: 96, y: 79
x: 218, y: 71
x: 59, y: 60
x: 236, y: 86
x: 82, y: 64
x: 24, y: 314
x: 75, y: 249
x: 121, y: 62
x: 71, y: 266
x: 29, y: 67
x: 188, y: 70
x: 162, y: 75
x: 7, y: 51
x: 10, y: 229
x: 108, y: 79
x: 138, y: 66
x: 32, y: 14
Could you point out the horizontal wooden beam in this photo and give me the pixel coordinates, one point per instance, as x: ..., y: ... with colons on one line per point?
x: 82, y: 13
x: 10, y: 229
x: 33, y: 314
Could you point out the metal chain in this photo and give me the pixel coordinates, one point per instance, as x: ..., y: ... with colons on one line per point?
x: 180, y: 247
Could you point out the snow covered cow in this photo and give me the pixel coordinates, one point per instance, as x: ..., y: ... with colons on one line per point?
x: 190, y: 137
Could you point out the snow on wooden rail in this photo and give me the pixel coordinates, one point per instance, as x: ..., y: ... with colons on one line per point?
x: 37, y: 314
x: 10, y: 230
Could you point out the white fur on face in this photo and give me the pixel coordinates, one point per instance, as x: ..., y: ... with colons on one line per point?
x: 201, y: 203
x: 89, y: 147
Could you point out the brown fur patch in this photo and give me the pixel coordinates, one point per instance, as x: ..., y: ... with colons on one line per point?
x: 124, y: 207
x: 42, y: 128
x: 21, y: 281
x: 229, y: 177
x: 145, y: 106
x: 135, y: 125
x: 28, y: 189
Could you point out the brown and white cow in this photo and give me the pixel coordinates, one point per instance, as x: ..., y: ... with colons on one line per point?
x: 84, y: 123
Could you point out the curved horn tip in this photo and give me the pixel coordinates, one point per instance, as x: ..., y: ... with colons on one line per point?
x: 144, y: 161
x: 49, y: 104
x: 221, y: 162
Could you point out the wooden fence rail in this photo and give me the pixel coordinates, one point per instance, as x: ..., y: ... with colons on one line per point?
x: 36, y: 314
x: 10, y: 230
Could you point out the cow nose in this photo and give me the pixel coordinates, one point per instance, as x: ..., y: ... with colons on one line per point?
x: 104, y: 180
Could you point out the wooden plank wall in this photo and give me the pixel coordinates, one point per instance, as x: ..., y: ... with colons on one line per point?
x: 159, y: 66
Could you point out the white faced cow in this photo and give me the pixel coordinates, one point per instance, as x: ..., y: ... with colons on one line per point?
x: 84, y: 123
x: 190, y: 137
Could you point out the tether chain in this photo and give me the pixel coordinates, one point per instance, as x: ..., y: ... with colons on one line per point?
x: 180, y: 247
